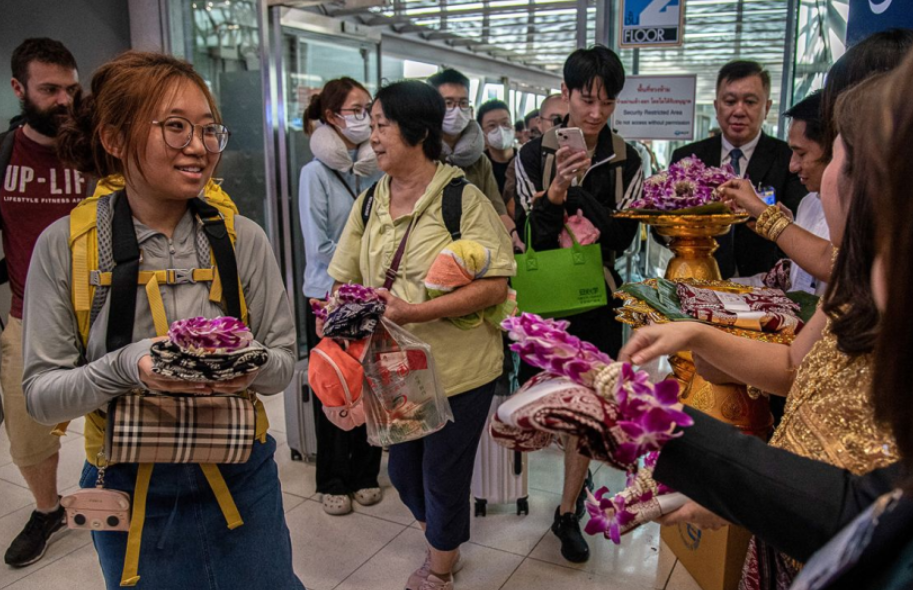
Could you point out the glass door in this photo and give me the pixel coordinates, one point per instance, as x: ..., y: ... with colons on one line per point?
x: 310, y: 60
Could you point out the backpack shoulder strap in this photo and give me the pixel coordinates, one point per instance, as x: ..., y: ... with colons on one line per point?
x: 83, y: 243
x: 216, y: 229
x: 452, y: 206
x: 367, y: 205
x: 7, y: 140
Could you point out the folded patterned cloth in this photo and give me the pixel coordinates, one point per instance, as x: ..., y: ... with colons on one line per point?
x: 460, y: 263
x: 351, y: 313
x: 778, y: 277
x: 769, y: 310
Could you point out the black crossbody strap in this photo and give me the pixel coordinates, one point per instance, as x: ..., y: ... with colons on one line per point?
x: 122, y: 314
x: 223, y: 251
x: 344, y: 183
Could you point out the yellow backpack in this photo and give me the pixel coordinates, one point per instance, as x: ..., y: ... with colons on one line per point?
x: 86, y: 278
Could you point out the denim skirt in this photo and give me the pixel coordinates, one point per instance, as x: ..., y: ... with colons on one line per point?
x: 186, y: 542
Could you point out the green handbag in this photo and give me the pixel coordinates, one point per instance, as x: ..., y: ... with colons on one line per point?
x: 562, y: 282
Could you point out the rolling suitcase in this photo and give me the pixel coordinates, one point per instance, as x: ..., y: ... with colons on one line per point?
x: 300, y: 426
x: 500, y: 476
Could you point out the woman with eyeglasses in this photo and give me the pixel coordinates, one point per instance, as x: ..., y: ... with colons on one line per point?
x: 152, y: 121
x: 433, y: 474
x: 344, y: 165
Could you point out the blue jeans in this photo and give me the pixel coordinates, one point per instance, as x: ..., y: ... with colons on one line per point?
x: 433, y: 474
x: 186, y: 543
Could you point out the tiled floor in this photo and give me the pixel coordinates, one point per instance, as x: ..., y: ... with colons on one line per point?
x: 377, y: 547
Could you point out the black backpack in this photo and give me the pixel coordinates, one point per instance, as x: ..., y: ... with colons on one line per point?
x: 451, y: 207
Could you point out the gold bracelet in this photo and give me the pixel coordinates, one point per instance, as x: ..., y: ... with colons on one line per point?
x: 778, y: 228
x: 774, y: 219
x: 764, y: 217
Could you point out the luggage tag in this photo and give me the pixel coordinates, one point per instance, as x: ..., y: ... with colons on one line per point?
x: 844, y: 550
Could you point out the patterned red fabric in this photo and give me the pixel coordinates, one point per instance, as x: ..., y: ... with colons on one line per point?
x: 778, y: 276
x: 571, y: 409
x: 778, y: 313
x: 766, y: 568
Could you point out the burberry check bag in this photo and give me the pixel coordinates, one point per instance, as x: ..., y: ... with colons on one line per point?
x: 154, y: 428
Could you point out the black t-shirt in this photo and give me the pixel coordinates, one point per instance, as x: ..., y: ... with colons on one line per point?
x: 500, y: 170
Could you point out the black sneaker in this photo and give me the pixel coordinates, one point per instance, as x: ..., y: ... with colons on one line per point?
x: 29, y: 545
x: 567, y: 528
x: 588, y: 484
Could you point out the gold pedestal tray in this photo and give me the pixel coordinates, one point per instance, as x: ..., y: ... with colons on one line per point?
x: 692, y: 242
x: 728, y: 403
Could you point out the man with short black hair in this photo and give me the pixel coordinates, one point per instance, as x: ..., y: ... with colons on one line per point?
x: 742, y: 103
x: 464, y: 145
x: 37, y: 190
x: 554, y: 181
x: 494, y: 119
x: 531, y: 120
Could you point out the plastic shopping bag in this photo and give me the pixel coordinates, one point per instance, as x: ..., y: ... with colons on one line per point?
x: 404, y: 399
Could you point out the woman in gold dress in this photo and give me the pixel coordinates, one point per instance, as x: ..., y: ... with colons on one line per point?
x: 826, y: 373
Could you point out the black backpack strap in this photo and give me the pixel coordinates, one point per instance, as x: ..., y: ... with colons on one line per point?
x: 223, y: 251
x: 124, y: 277
x: 452, y: 206
x: 367, y: 205
x: 6, y: 150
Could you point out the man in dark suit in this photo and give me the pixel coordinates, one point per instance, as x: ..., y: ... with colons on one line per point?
x: 742, y: 103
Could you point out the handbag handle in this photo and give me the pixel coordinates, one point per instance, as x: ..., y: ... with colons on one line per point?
x: 529, y: 240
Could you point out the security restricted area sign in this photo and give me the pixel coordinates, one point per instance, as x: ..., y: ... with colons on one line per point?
x: 656, y: 107
x: 652, y: 23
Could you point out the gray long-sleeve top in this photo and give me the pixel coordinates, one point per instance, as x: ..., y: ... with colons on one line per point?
x: 62, y: 380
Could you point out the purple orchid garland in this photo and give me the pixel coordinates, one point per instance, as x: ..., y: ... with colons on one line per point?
x: 687, y: 183
x: 348, y: 293
x: 221, y: 334
x: 647, y: 417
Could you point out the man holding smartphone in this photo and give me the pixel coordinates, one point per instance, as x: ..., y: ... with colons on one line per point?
x: 581, y: 165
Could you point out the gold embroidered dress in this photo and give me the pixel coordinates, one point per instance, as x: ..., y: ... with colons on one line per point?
x: 829, y: 418
x: 829, y: 415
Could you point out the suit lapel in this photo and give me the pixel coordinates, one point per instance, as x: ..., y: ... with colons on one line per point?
x: 761, y: 160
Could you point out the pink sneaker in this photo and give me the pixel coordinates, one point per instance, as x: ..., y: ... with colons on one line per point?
x: 420, y: 575
x: 435, y: 583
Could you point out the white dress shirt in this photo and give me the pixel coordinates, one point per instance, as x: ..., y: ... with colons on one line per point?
x: 747, y: 152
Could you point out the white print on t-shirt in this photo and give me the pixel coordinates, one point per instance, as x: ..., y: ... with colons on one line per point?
x: 20, y: 177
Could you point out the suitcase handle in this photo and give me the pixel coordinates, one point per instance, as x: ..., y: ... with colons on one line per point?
x: 305, y: 393
x: 518, y: 463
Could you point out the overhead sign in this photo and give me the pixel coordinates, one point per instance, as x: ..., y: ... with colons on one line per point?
x: 656, y: 107
x: 651, y: 23
x: 870, y: 16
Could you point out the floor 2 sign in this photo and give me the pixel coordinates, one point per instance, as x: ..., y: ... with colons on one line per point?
x: 652, y: 23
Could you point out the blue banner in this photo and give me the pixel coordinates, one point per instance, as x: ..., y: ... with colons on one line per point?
x: 870, y: 16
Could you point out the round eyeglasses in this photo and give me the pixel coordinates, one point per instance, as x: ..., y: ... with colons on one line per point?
x: 178, y: 133
x: 360, y: 113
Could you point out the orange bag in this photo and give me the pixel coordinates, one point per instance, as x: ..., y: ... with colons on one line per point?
x: 336, y: 377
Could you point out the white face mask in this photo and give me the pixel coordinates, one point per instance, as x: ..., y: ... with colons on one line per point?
x: 356, y: 131
x: 501, y: 138
x: 456, y: 120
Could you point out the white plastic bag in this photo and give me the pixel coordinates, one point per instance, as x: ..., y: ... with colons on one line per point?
x: 404, y: 399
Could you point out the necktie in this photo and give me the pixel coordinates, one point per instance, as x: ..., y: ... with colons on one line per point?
x: 735, y: 157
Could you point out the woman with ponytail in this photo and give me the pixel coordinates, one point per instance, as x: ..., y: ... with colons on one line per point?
x: 344, y: 165
x: 153, y: 123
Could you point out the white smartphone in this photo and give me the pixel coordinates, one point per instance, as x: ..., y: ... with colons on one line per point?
x: 572, y: 138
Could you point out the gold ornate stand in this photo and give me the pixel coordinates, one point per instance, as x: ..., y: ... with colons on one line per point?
x: 693, y: 243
